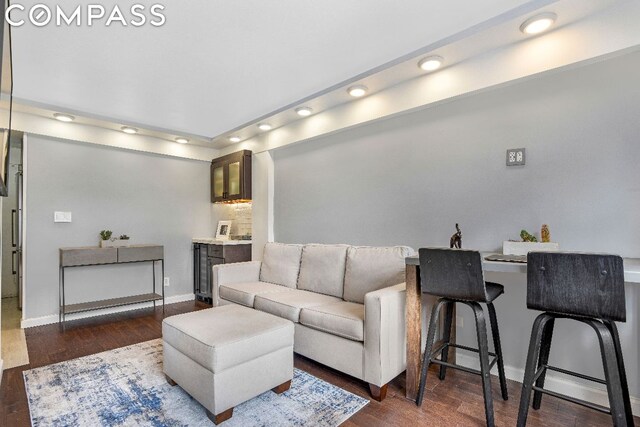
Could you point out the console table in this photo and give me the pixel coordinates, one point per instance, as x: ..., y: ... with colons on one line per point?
x: 93, y: 255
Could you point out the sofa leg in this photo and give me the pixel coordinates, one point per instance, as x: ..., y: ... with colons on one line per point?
x: 378, y: 393
x: 170, y: 381
x: 221, y: 417
x: 282, y: 387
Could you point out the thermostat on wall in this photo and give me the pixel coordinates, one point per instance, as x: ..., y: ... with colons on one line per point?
x: 62, y: 217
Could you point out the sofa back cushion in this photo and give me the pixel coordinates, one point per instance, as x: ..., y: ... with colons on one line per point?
x: 281, y: 264
x: 322, y: 269
x: 371, y: 268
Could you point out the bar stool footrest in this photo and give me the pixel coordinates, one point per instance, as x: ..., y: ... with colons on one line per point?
x: 436, y: 352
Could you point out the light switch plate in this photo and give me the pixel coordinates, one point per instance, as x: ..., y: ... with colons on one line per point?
x: 516, y: 157
x: 61, y: 216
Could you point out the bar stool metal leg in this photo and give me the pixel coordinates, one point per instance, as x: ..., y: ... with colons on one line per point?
x: 530, y: 367
x: 498, y: 347
x: 483, y: 347
x: 435, y: 314
x: 611, y: 325
x: 545, y: 349
x: 611, y: 372
x: 448, y: 320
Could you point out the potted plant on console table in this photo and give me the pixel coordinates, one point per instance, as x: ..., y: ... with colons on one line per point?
x: 107, y: 242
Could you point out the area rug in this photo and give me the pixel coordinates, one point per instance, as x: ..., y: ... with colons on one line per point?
x: 126, y: 387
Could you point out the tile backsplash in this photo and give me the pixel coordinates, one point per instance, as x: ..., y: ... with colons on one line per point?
x: 239, y: 213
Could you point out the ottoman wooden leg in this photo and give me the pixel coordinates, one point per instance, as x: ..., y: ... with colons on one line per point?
x: 222, y: 416
x: 282, y: 387
x: 170, y: 381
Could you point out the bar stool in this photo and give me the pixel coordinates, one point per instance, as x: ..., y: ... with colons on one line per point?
x: 456, y: 276
x: 588, y: 288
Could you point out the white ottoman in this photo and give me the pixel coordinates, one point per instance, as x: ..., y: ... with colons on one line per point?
x: 226, y: 355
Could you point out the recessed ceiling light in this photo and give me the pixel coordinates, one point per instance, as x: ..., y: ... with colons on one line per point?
x: 539, y: 23
x: 235, y: 139
x: 264, y: 126
x: 129, y: 130
x: 182, y: 140
x: 64, y: 117
x: 430, y: 63
x: 357, y: 91
x: 304, y: 111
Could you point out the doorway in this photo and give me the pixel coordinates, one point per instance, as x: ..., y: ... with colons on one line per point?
x: 14, y: 346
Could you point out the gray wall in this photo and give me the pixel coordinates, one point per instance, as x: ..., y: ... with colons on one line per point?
x: 409, y: 179
x: 153, y: 199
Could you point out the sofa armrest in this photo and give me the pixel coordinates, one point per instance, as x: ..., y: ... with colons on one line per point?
x: 385, y: 336
x: 238, y: 272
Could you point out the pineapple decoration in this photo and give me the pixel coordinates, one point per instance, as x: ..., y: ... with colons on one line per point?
x: 545, y: 234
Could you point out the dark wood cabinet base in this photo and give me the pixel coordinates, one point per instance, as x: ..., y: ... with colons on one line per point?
x: 282, y: 387
x: 378, y: 393
x: 221, y: 417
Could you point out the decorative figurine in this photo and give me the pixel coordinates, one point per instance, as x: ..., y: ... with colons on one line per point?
x: 545, y: 234
x: 526, y: 237
x: 456, y: 239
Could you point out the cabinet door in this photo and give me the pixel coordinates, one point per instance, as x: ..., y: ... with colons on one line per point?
x: 234, y: 181
x: 218, y: 182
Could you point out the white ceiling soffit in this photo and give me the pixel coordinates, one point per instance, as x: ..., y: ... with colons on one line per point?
x: 493, y: 35
x: 216, y: 65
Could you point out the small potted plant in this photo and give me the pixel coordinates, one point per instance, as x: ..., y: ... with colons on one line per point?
x: 530, y: 243
x: 105, y: 238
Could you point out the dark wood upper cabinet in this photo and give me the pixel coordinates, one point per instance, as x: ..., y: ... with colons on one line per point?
x: 231, y: 177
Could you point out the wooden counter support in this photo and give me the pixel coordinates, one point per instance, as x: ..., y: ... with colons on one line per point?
x: 414, y: 310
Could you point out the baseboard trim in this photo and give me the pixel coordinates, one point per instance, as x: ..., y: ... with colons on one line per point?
x: 53, y: 318
x: 553, y: 382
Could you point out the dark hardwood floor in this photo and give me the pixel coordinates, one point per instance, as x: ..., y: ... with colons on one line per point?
x: 457, y: 401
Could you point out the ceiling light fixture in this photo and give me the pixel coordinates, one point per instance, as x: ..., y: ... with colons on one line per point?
x: 304, y: 111
x: 181, y: 140
x: 129, y: 130
x: 235, y: 139
x: 539, y: 23
x: 265, y: 127
x: 64, y: 117
x: 431, y: 63
x: 357, y: 91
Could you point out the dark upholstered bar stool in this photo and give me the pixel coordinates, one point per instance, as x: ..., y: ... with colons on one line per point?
x: 588, y: 288
x: 456, y: 276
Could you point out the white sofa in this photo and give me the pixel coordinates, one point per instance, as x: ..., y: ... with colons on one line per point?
x: 347, y: 303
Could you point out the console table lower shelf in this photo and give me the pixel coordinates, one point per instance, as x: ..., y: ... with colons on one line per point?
x: 92, y: 256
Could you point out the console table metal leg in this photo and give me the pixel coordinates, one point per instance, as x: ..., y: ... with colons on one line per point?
x: 63, y: 314
x: 162, y: 284
x: 153, y: 267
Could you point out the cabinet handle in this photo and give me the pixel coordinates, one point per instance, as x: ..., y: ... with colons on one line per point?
x: 13, y: 265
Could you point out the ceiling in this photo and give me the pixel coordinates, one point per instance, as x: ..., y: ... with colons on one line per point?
x: 216, y: 65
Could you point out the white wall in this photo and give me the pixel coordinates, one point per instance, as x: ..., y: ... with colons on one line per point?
x: 409, y: 179
x: 152, y: 198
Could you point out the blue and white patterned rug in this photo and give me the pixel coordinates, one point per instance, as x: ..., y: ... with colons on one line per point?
x: 126, y: 387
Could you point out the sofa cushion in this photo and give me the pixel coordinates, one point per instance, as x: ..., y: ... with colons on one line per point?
x: 371, y: 268
x: 345, y: 319
x: 322, y: 269
x: 281, y: 264
x: 222, y: 337
x: 244, y: 293
x: 288, y: 304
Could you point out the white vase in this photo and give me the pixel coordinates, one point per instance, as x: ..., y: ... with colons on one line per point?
x: 523, y: 248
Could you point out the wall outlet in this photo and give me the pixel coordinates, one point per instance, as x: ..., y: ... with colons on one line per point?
x: 167, y: 282
x: 516, y: 157
x: 459, y: 321
x: 62, y: 217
